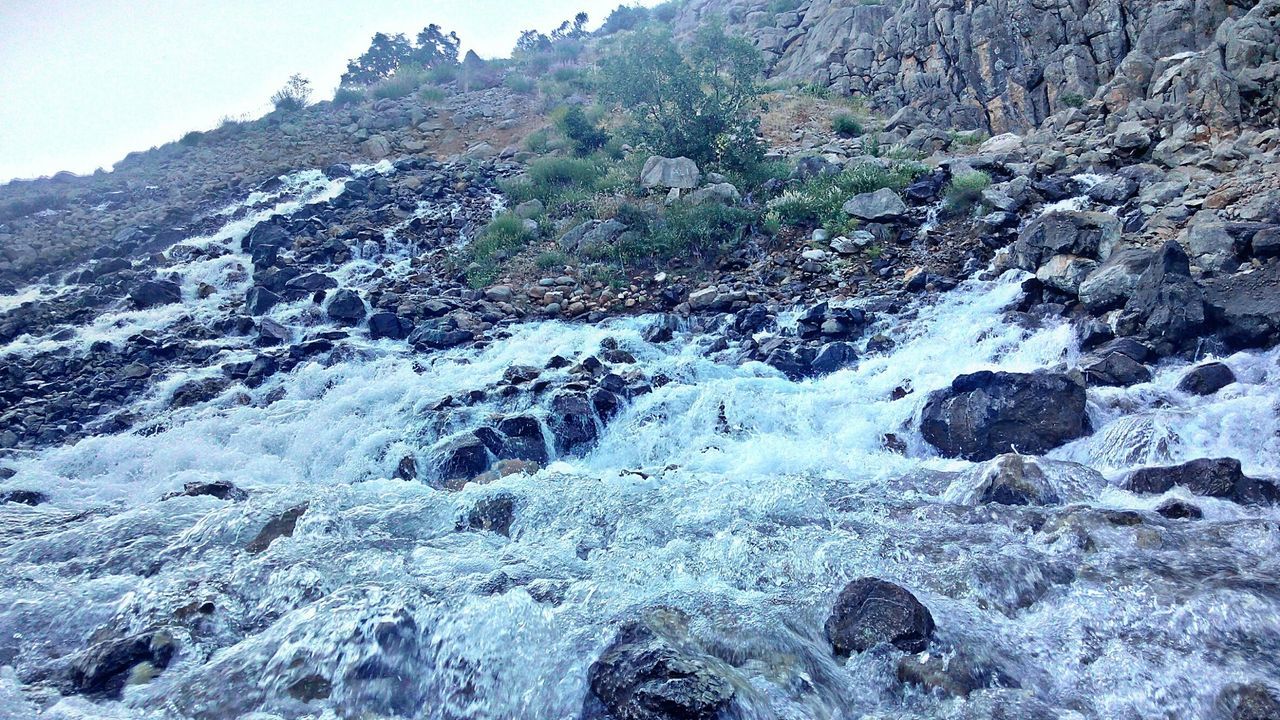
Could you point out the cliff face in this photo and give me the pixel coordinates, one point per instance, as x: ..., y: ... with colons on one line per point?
x: 1007, y: 65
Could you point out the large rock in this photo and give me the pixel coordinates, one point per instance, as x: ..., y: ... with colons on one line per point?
x: 985, y: 414
x: 870, y: 611
x: 1209, y: 477
x: 881, y: 206
x: 1081, y: 234
x: 461, y: 459
x: 1245, y: 307
x: 346, y: 307
x: 661, y: 172
x: 1166, y: 302
x: 572, y: 422
x: 1013, y: 479
x: 105, y: 668
x: 1206, y: 379
x: 1116, y: 364
x: 643, y: 675
x: 1065, y: 273
x: 1110, y: 284
x: 259, y: 300
x: 154, y: 293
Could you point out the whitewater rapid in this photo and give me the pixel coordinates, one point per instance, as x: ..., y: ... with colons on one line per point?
x: 732, y: 493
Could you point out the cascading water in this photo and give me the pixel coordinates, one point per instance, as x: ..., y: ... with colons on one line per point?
x: 731, y: 493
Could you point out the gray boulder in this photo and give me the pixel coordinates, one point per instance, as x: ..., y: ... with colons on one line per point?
x: 346, y: 307
x: 870, y: 611
x: 1245, y: 307
x: 1111, y: 283
x: 883, y: 206
x: 1208, y: 477
x: 1065, y: 273
x: 1206, y: 379
x: 1083, y: 234
x: 661, y: 172
x: 1166, y: 302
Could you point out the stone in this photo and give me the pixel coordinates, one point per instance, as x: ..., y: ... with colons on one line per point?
x: 492, y: 514
x: 377, y: 147
x: 1213, y: 246
x: 1065, y: 273
x: 870, y: 611
x: 1113, y: 190
x: 522, y: 439
x: 1175, y: 509
x: 220, y: 489
x: 572, y: 422
x: 461, y: 459
x: 985, y: 414
x: 1013, y: 479
x: 1131, y: 135
x: 1265, y: 243
x: 1166, y: 301
x: 311, y: 282
x: 1209, y: 477
x: 105, y: 668
x: 1253, y: 701
x: 721, y: 193
x: 23, y: 497
x: 832, y: 357
x: 956, y: 676
x: 346, y: 307
x: 154, y: 293
x: 660, y: 172
x: 1082, y: 234
x: 389, y: 325
x: 644, y: 675
x: 1110, y: 284
x: 259, y: 301
x: 1113, y: 365
x: 530, y: 209
x: 1206, y: 379
x: 882, y: 206
x: 278, y: 526
x: 1244, y: 308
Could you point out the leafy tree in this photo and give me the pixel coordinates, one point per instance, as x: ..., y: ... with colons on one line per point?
x: 532, y: 41
x: 434, y: 48
x: 585, y: 136
x: 624, y: 18
x: 703, y: 104
x: 294, y: 94
x: 387, y: 53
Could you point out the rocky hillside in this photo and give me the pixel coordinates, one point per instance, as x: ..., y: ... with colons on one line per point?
x: 1009, y: 65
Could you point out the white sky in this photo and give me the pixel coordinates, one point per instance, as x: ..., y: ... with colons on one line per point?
x: 85, y: 82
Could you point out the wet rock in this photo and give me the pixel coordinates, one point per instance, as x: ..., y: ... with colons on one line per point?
x: 870, y: 611
x: 1012, y: 479
x: 1245, y: 307
x: 221, y: 489
x: 1206, y: 379
x: 1207, y: 477
x: 389, y: 325
x: 105, y: 668
x: 261, y: 368
x: 279, y: 526
x: 521, y: 374
x: 1113, y: 190
x: 310, y: 283
x: 882, y: 206
x: 1253, y: 701
x: 957, y: 676
x: 461, y: 459
x: 572, y: 422
x: 1116, y: 364
x: 259, y: 301
x: 1080, y: 234
x: 439, y: 335
x: 1111, y: 283
x: 272, y: 333
x: 987, y: 413
x: 832, y: 357
x: 198, y: 391
x: 1175, y: 509
x: 1265, y: 243
x: 494, y: 514
x: 154, y: 293
x: 346, y: 308
x: 1065, y: 273
x: 1166, y: 301
x: 523, y: 439
x: 23, y: 497
x: 660, y: 172
x: 644, y: 676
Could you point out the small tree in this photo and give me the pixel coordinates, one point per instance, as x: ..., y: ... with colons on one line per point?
x: 434, y: 48
x: 387, y: 53
x: 584, y: 134
x: 703, y: 104
x: 294, y: 95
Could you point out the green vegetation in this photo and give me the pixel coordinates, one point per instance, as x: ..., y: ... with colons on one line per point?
x: 430, y: 95
x: 967, y: 138
x: 402, y: 84
x: 345, y: 96
x: 551, y: 260
x: 191, y: 139
x: 556, y: 181
x: 965, y: 190
x: 388, y: 53
x: 519, y: 84
x: 538, y: 142
x: 581, y: 131
x: 294, y: 95
x: 846, y: 125
x: 702, y: 104
x: 1072, y: 99
x: 819, y: 201
x: 497, y: 242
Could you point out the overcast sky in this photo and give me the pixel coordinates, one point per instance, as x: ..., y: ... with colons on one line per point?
x: 84, y: 82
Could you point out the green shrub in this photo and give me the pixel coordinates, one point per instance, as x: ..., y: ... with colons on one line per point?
x: 556, y: 180
x: 294, y: 95
x: 551, y: 260
x: 846, y: 125
x: 442, y: 74
x: 1072, y: 99
x: 346, y: 95
x: 819, y: 201
x: 624, y: 18
x: 566, y: 73
x: 538, y: 141
x: 702, y: 103
x: 965, y: 190
x: 502, y: 237
x: 585, y: 136
x: 967, y: 138
x: 191, y: 139
x: 688, y: 232
x: 431, y: 95
x: 817, y: 90
x: 666, y: 12
x: 519, y: 84
x: 402, y: 84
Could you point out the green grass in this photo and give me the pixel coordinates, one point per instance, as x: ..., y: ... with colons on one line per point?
x: 431, y: 95
x: 965, y: 190
x: 1072, y: 99
x: 819, y: 201
x: 700, y: 233
x: 192, y: 138
x: 551, y: 260
x: 345, y: 96
x: 402, y: 84
x: 519, y: 84
x: 846, y: 125
x: 501, y: 238
x: 556, y: 180
x: 538, y: 141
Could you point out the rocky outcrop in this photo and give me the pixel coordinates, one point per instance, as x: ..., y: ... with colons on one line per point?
x: 986, y: 414
x: 1011, y: 64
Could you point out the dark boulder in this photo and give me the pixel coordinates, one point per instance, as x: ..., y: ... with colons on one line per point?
x: 154, y: 293
x: 1117, y: 363
x: 259, y: 300
x: 220, y: 489
x: 105, y: 668
x: 1166, y: 302
x: 1245, y: 307
x: 461, y: 459
x: 494, y: 514
x: 832, y: 357
x: 957, y: 676
x: 346, y: 307
x: 644, y: 676
x: 870, y: 611
x: 1207, y: 477
x: 1206, y: 379
x: 389, y: 325
x: 439, y: 334
x: 522, y: 439
x: 311, y: 282
x: 572, y: 421
x: 1082, y: 234
x: 23, y: 497
x: 271, y: 333
x: 1175, y: 509
x: 985, y: 414
x: 276, y: 527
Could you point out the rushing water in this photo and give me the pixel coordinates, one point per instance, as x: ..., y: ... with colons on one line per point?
x: 743, y: 498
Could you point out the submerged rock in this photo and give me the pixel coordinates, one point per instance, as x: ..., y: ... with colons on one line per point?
x: 958, y: 676
x: 1024, y: 480
x: 870, y: 611
x: 1208, y: 477
x: 279, y: 526
x: 106, y: 667
x: 461, y: 459
x: 985, y: 414
x: 1206, y: 379
x: 220, y: 489
x: 23, y: 497
x: 155, y: 293
x: 643, y: 675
